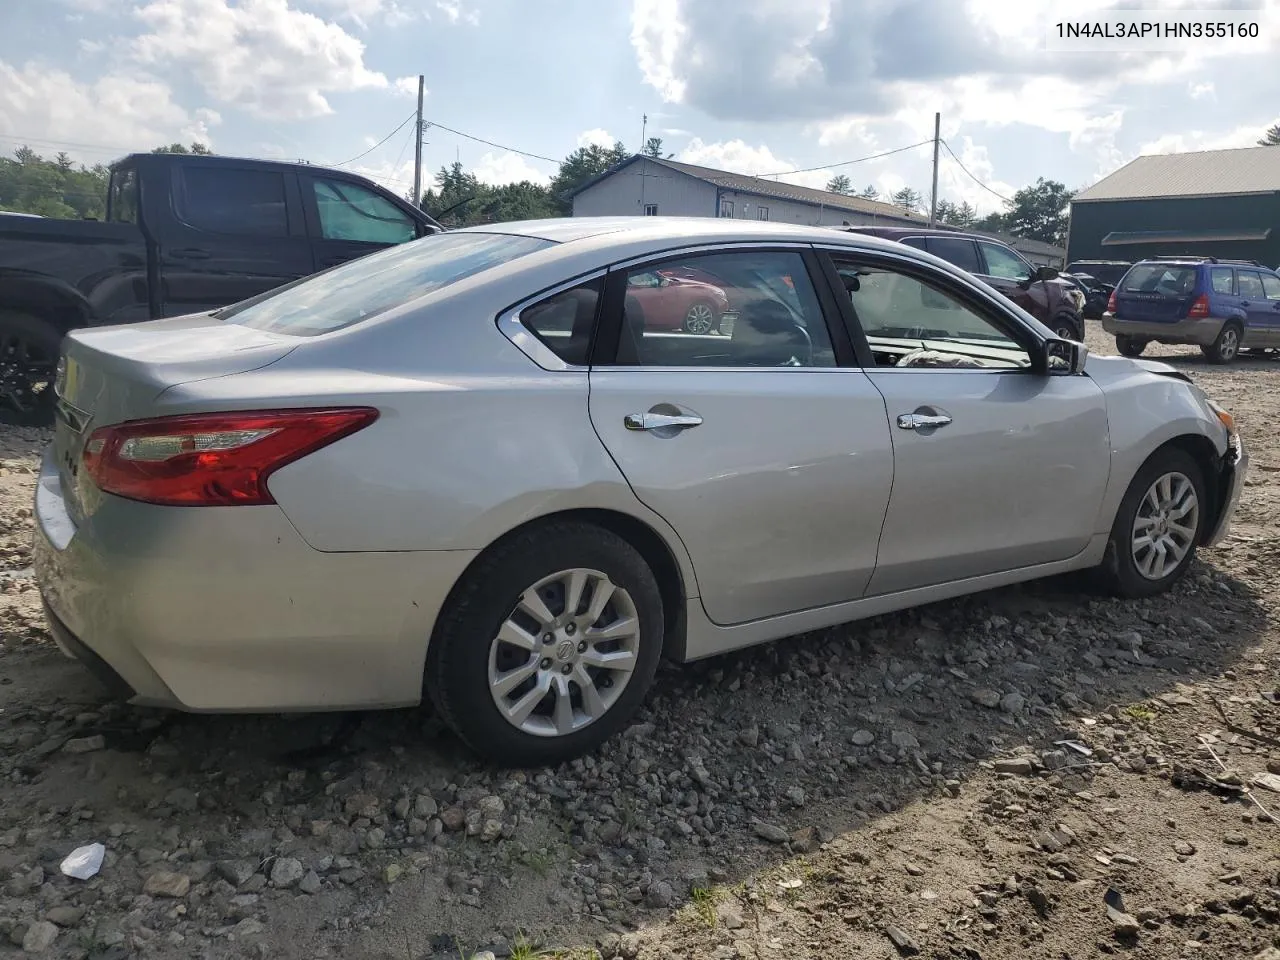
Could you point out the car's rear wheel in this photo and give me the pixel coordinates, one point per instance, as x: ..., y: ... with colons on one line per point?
x: 548, y: 645
x: 1067, y: 327
x: 700, y: 318
x: 1157, y: 527
x: 1130, y: 346
x: 1227, y: 347
x: 29, y: 350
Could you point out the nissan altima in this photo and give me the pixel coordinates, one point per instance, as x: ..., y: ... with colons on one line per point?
x: 467, y: 469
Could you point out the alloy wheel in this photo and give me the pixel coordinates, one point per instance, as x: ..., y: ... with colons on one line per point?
x: 700, y: 318
x: 1228, y: 344
x: 1164, y: 528
x: 565, y: 653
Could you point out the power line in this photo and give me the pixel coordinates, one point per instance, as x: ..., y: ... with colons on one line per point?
x: 845, y: 163
x: 490, y: 143
x: 378, y: 144
x: 972, y: 177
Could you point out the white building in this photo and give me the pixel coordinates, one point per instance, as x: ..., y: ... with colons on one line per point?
x: 645, y: 186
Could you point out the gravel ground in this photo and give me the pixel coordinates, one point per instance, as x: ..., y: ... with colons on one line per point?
x: 1027, y: 773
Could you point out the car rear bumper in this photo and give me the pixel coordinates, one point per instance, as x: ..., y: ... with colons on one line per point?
x: 1200, y: 332
x: 1235, y: 465
x: 228, y: 609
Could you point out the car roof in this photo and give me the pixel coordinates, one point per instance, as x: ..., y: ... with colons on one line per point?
x: 922, y: 232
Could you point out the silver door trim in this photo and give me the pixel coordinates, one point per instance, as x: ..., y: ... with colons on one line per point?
x: 529, y: 343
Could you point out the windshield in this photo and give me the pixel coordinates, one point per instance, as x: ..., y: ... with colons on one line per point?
x: 1166, y: 279
x: 382, y: 281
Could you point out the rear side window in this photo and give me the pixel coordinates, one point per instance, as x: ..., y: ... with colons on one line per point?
x: 917, y: 242
x: 1251, y: 285
x: 1169, y: 280
x: 362, y: 289
x: 565, y: 321
x: 1271, y: 286
x: 1222, y: 280
x: 961, y: 253
x: 235, y: 202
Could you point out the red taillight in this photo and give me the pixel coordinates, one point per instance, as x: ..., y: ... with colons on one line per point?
x: 1200, y: 309
x: 211, y: 459
x: 1111, y: 303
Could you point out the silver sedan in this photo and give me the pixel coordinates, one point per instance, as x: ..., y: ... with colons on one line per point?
x: 493, y: 467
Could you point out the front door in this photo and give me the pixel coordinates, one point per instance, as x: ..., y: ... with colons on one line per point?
x: 1253, y: 301
x: 996, y: 467
x: 1271, y: 321
x: 772, y: 463
x: 347, y: 220
x: 235, y: 232
x: 1010, y: 274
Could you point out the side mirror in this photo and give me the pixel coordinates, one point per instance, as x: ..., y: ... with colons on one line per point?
x: 1063, y: 358
x: 1045, y: 273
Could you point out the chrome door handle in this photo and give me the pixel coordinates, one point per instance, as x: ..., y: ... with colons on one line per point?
x: 657, y: 421
x: 918, y: 421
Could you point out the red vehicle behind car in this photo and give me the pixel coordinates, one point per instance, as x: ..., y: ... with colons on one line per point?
x: 678, y: 299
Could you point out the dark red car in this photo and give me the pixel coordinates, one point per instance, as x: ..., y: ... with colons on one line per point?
x: 681, y: 298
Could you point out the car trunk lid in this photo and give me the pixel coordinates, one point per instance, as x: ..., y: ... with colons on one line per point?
x: 1156, y: 293
x: 109, y: 375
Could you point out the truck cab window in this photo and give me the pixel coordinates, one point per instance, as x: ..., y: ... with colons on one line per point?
x: 351, y: 212
x: 229, y: 201
x: 122, y: 196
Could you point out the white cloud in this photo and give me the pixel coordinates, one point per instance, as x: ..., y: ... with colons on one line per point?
x: 275, y: 61
x: 657, y: 34
x: 1243, y: 136
x: 368, y: 13
x: 497, y: 169
x: 408, y: 86
x: 455, y: 12
x: 979, y: 190
x: 1199, y: 91
x: 598, y: 136
x: 737, y: 156
x: 96, y: 121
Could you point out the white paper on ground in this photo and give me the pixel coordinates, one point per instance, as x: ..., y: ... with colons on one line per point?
x: 84, y: 862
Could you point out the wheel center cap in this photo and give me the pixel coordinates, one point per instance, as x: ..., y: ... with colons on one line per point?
x: 565, y: 650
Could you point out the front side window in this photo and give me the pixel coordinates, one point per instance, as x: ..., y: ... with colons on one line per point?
x: 910, y: 324
x: 1004, y: 263
x: 122, y: 196
x: 741, y: 309
x: 352, y: 212
x: 1251, y: 285
x: 565, y: 321
x: 1271, y: 286
x: 224, y: 200
x: 958, y: 252
x: 1222, y: 280
x: 362, y: 289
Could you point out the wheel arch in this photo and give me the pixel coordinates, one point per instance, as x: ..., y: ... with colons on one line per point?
x: 45, y: 298
x: 651, y: 545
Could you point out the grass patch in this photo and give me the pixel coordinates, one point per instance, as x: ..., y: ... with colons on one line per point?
x: 1139, y: 713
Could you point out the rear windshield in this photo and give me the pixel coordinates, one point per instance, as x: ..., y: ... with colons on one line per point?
x: 377, y: 283
x: 1169, y: 280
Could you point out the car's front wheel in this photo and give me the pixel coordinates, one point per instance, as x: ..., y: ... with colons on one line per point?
x: 1130, y: 346
x: 700, y: 318
x: 548, y: 645
x: 1157, y: 527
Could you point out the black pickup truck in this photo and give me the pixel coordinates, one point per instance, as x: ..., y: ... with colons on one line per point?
x: 183, y: 234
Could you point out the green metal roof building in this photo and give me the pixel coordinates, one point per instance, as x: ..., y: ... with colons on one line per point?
x: 1213, y: 203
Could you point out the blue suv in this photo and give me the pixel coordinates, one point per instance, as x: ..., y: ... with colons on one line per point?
x: 1221, y: 306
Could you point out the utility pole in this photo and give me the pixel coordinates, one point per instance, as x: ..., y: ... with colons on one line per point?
x: 417, y: 148
x: 933, y: 197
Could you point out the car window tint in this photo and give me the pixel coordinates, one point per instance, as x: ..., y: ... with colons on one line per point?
x: 1158, y: 278
x: 961, y: 253
x: 351, y: 212
x: 1271, y: 286
x: 565, y: 321
x: 236, y: 202
x: 910, y: 324
x: 918, y: 242
x: 1251, y: 285
x: 742, y: 309
x: 363, y: 288
x: 122, y: 198
x: 1221, y: 279
x: 1003, y: 262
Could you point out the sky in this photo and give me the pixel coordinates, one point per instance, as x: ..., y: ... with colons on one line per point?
x: 753, y: 86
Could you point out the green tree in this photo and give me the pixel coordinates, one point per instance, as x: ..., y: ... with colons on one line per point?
x: 907, y: 199
x: 653, y: 148
x: 198, y: 149
x: 869, y: 192
x: 1272, y: 137
x: 839, y: 184
x: 447, y: 202
x: 993, y: 223
x: 579, y: 167
x: 965, y: 215
x: 1040, y: 211
x: 945, y: 212
x: 30, y: 183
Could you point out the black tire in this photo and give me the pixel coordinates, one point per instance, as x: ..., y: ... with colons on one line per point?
x: 1227, y: 347
x: 1130, y: 346
x: 29, y: 349
x: 1068, y: 327
x: 686, y: 325
x: 457, y: 672
x: 1118, y: 574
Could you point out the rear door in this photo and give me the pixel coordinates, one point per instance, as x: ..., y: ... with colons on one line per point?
x: 1156, y: 292
x: 1010, y: 274
x: 1271, y: 287
x: 996, y: 466
x: 767, y: 454
x: 233, y: 233
x: 959, y: 251
x: 347, y: 220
